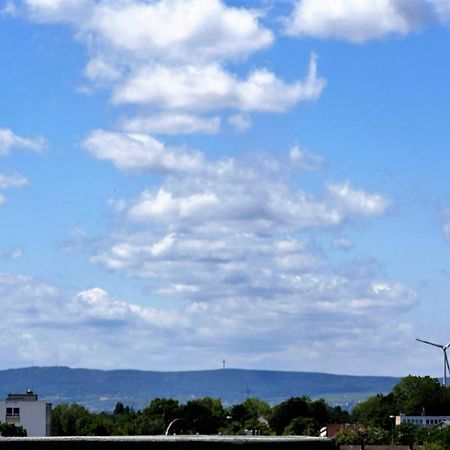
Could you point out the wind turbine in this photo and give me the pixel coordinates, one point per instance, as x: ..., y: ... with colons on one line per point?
x: 444, y: 349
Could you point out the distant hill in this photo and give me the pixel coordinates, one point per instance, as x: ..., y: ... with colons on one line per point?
x: 102, y: 389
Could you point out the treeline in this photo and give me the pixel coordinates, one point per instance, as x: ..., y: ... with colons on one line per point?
x: 297, y: 415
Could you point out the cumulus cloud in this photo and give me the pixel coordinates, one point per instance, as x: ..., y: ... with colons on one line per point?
x: 173, y: 54
x: 172, y: 124
x: 358, y: 20
x: 210, y: 87
x: 139, y: 152
x: 9, y: 140
x: 356, y: 201
x: 172, y: 30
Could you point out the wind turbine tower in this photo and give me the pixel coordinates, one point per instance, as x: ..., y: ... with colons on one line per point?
x: 444, y: 349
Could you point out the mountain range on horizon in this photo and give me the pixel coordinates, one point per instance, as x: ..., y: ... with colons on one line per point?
x: 100, y: 390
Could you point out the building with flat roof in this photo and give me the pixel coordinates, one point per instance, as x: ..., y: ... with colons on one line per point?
x: 423, y: 421
x: 27, y: 411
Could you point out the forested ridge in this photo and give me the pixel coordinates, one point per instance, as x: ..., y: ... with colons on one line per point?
x: 101, y: 389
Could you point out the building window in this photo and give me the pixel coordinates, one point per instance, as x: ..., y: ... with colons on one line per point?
x: 12, y: 412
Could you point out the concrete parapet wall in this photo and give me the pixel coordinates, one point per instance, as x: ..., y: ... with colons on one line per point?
x: 169, y: 443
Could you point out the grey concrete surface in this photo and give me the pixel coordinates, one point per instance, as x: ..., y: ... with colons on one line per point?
x: 169, y: 443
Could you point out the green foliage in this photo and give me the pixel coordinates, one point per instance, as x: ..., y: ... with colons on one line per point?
x: 158, y: 415
x: 433, y: 446
x: 302, y: 426
x: 375, y: 411
x: 204, y: 416
x: 11, y: 430
x: 414, y: 394
x: 405, y: 434
x: 70, y: 420
x: 362, y: 436
x: 285, y: 412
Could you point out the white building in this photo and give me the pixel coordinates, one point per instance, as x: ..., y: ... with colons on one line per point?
x: 423, y: 421
x: 26, y: 410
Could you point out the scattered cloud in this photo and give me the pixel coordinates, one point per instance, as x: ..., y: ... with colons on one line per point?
x: 172, y: 124
x: 139, y: 51
x: 9, y: 9
x: 312, y: 311
x: 342, y: 243
x: 305, y: 160
x: 10, y: 140
x: 358, y: 20
x: 10, y: 181
x: 139, y: 152
x: 240, y: 122
x: 11, y: 254
x: 356, y: 201
x: 444, y: 219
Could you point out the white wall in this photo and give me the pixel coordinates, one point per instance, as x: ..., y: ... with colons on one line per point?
x: 33, y: 415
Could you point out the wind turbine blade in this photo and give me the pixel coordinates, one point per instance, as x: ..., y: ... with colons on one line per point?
x: 446, y: 361
x: 431, y: 343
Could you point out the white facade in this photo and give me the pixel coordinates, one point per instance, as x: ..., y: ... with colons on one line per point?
x: 422, y: 421
x: 29, y: 412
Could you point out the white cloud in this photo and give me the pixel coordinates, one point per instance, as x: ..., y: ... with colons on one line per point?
x: 305, y: 160
x: 342, y: 243
x: 165, y: 206
x: 358, y: 20
x: 172, y: 54
x: 10, y: 140
x: 12, y: 181
x: 11, y: 254
x: 139, y: 152
x: 172, y: 124
x: 178, y: 30
x: 444, y: 219
x: 240, y: 122
x: 356, y: 201
x: 209, y: 87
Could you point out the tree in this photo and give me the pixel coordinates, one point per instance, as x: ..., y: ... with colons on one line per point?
x: 414, y: 394
x: 302, y: 426
x: 283, y: 413
x: 204, y: 416
x: 158, y: 415
x: 70, y: 420
x: 362, y: 436
x: 375, y: 411
x: 11, y: 430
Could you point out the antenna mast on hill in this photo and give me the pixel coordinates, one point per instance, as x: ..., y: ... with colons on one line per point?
x: 446, y: 364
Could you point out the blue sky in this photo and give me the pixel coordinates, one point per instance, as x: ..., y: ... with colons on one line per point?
x: 187, y: 181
